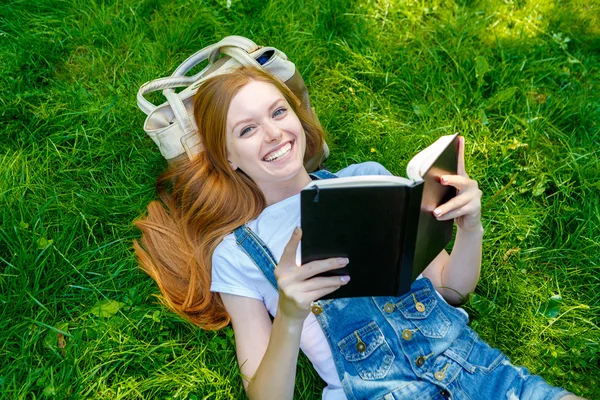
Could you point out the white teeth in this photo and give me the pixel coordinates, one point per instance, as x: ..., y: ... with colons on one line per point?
x: 279, y: 153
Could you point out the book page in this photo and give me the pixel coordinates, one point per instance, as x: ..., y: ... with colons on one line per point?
x: 419, y: 164
x: 360, y: 181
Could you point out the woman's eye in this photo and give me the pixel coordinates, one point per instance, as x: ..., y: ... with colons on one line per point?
x: 246, y: 130
x: 279, y: 112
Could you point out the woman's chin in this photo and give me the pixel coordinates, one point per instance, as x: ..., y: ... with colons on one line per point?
x: 284, y: 172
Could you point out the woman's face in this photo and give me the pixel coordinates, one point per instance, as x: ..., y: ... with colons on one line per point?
x: 265, y: 138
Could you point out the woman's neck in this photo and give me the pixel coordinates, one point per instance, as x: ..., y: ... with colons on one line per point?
x: 279, y: 191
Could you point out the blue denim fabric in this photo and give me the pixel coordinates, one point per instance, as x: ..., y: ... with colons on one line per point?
x: 411, y: 347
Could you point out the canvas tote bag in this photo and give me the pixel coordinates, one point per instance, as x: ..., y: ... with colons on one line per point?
x: 171, y: 124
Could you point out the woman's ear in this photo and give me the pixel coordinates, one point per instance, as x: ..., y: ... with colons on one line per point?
x: 232, y: 165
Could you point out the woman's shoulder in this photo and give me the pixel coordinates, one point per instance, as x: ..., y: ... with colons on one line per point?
x: 366, y: 168
x: 233, y: 273
x: 227, y: 248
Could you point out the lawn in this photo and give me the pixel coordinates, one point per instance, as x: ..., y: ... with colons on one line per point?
x: 518, y: 78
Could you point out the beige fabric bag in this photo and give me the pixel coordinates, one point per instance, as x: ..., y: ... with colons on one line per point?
x: 171, y: 125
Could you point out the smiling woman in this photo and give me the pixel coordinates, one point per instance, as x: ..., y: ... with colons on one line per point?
x: 386, y: 78
x: 208, y: 198
x: 227, y: 250
x: 266, y: 140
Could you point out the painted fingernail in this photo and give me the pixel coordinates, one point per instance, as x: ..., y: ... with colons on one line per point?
x: 345, y: 278
x: 437, y: 212
x: 342, y: 261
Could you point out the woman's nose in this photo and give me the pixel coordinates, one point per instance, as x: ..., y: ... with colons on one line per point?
x: 272, y: 131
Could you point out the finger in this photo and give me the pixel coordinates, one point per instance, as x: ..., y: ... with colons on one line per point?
x: 460, y: 167
x: 460, y: 182
x: 453, y: 204
x: 321, y: 282
x: 468, y: 211
x: 288, y: 258
x: 313, y: 268
x: 317, y: 294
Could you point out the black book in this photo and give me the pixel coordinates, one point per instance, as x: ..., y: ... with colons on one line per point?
x: 383, y: 224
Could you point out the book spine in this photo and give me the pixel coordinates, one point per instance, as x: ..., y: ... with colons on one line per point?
x: 413, y: 211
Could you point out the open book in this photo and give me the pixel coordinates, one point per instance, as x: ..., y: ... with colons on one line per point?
x: 383, y: 224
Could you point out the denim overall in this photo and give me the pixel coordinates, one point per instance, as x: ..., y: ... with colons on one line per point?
x: 411, y: 347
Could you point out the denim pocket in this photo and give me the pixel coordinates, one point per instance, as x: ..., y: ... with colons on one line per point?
x: 367, y: 350
x: 473, y: 354
x: 421, y: 308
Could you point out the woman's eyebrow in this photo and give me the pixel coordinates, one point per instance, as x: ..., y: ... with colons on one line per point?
x: 279, y: 100
x: 243, y: 121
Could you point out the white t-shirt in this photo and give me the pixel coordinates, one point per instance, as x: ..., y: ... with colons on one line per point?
x: 235, y: 273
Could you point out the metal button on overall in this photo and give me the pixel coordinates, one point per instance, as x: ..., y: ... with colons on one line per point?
x: 420, y: 307
x: 361, y: 347
x: 420, y: 361
x: 440, y: 375
x: 316, y: 309
x: 407, y: 334
x: 388, y: 308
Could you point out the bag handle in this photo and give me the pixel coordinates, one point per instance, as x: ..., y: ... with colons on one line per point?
x: 236, y: 47
x: 175, y: 101
x: 212, y: 52
x: 169, y: 82
x: 179, y: 110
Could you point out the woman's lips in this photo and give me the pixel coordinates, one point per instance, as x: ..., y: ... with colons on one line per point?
x: 281, y: 156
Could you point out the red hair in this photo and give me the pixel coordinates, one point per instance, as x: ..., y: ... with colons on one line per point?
x: 203, y: 200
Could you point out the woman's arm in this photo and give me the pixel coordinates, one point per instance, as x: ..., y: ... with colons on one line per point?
x: 268, y: 354
x: 456, y: 275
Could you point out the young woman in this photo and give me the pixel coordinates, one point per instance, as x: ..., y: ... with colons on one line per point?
x: 227, y: 250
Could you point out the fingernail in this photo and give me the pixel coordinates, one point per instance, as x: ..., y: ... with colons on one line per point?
x: 342, y: 261
x: 437, y: 212
x: 345, y: 278
x: 296, y: 230
x: 443, y: 179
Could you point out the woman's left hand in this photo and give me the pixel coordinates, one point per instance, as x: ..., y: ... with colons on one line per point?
x: 465, y: 207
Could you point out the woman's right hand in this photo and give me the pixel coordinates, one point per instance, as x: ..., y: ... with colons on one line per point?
x: 298, y: 285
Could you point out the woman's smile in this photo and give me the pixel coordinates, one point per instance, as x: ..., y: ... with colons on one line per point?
x: 266, y: 140
x: 280, y: 153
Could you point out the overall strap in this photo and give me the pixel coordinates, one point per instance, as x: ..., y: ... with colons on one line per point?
x: 257, y: 250
x: 322, y: 174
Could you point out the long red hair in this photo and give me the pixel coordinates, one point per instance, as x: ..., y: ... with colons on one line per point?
x: 203, y: 200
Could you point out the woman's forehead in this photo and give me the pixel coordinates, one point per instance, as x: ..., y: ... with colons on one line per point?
x: 253, y: 98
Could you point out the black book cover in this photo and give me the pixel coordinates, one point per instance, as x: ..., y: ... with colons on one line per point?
x: 388, y: 233
x: 361, y: 224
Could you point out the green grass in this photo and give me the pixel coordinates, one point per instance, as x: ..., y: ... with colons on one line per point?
x: 519, y: 79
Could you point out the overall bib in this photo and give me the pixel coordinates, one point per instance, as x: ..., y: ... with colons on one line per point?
x: 411, y: 347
